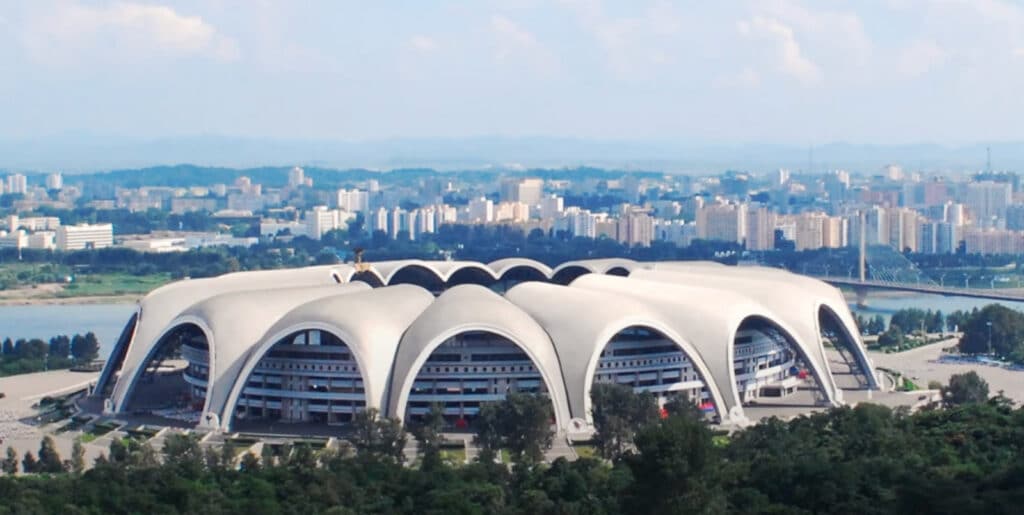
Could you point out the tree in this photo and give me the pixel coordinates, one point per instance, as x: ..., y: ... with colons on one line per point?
x: 8, y: 348
x: 376, y: 436
x: 676, y: 470
x: 29, y: 463
x: 10, y: 463
x: 77, y: 457
x: 965, y: 388
x: 618, y: 413
x: 85, y: 348
x: 428, y: 434
x: 521, y: 422
x: 49, y: 458
x: 183, y: 452
x: 118, y: 451
x: 60, y: 347
x: 994, y: 327
x: 892, y: 337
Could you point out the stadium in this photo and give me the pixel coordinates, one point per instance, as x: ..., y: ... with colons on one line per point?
x: 310, y: 347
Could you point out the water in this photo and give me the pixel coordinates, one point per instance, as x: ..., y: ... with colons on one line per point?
x: 107, y: 320
x: 44, y: 321
x: 887, y: 303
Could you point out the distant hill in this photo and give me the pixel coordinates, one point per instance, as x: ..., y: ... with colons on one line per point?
x: 78, y: 152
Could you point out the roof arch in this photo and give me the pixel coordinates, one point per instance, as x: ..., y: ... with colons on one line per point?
x: 370, y: 323
x: 474, y: 308
x: 233, y: 322
x: 502, y: 266
x: 710, y: 318
x: 764, y: 285
x: 582, y: 339
x: 162, y: 305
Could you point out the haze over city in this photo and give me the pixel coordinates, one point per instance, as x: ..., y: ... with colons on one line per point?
x: 545, y: 83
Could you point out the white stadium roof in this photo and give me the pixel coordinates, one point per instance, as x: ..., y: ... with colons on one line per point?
x: 391, y: 330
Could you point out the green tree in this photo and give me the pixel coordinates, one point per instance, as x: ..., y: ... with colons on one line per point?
x: 428, y: 433
x: 521, y: 422
x: 8, y: 348
x: 1002, y: 326
x: 677, y: 469
x: 85, y: 348
x: 77, y: 457
x: 49, y: 458
x: 893, y: 337
x: 379, y: 437
x: 10, y: 463
x: 183, y: 452
x: 618, y: 413
x: 29, y: 463
x: 965, y: 388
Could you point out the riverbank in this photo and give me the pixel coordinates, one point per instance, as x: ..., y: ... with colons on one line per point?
x: 71, y: 301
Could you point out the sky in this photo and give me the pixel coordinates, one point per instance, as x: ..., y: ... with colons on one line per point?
x: 786, y: 71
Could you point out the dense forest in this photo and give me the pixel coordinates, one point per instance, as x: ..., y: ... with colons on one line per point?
x: 966, y: 457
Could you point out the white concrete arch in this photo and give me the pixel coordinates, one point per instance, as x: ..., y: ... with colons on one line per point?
x: 801, y: 306
x: 468, y: 308
x: 599, y: 266
x: 502, y: 266
x: 158, y: 308
x: 235, y: 321
x: 130, y: 382
x: 710, y: 318
x: 369, y: 323
x: 579, y: 341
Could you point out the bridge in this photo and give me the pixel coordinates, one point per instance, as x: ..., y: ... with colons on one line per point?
x: 924, y: 287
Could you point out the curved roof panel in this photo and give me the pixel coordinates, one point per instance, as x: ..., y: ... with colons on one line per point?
x: 501, y: 266
x: 164, y: 304
x: 474, y: 308
x: 369, y: 322
x: 580, y: 340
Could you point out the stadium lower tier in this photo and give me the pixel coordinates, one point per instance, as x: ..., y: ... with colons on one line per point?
x: 311, y: 376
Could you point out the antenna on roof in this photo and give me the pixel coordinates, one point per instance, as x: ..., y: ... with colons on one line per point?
x: 988, y: 159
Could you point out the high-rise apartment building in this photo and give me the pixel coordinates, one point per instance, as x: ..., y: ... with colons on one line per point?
x: 527, y: 191
x: 724, y: 222
x: 760, y: 228
x: 17, y: 183
x: 481, y: 210
x: 353, y: 201
x: 988, y: 201
x: 54, y: 181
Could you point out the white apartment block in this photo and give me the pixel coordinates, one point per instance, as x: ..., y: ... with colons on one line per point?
x: 354, y: 201
x: 481, y: 210
x: 84, y: 236
x: 320, y: 221
x: 17, y: 183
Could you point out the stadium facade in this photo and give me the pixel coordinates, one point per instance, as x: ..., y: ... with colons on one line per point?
x: 316, y: 345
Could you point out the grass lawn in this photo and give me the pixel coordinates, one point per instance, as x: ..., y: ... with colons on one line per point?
x: 113, y: 284
x: 585, y: 451
x: 506, y: 457
x: 87, y: 437
x: 720, y: 440
x: 453, y: 456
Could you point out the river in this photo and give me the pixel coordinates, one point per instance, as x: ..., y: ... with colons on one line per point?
x: 107, y: 320
x: 46, y: 320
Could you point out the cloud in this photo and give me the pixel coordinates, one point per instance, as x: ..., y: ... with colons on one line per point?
x: 789, y: 57
x: 423, y: 44
x: 633, y: 45
x: 514, y: 43
x: 920, y: 57
x: 70, y: 32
